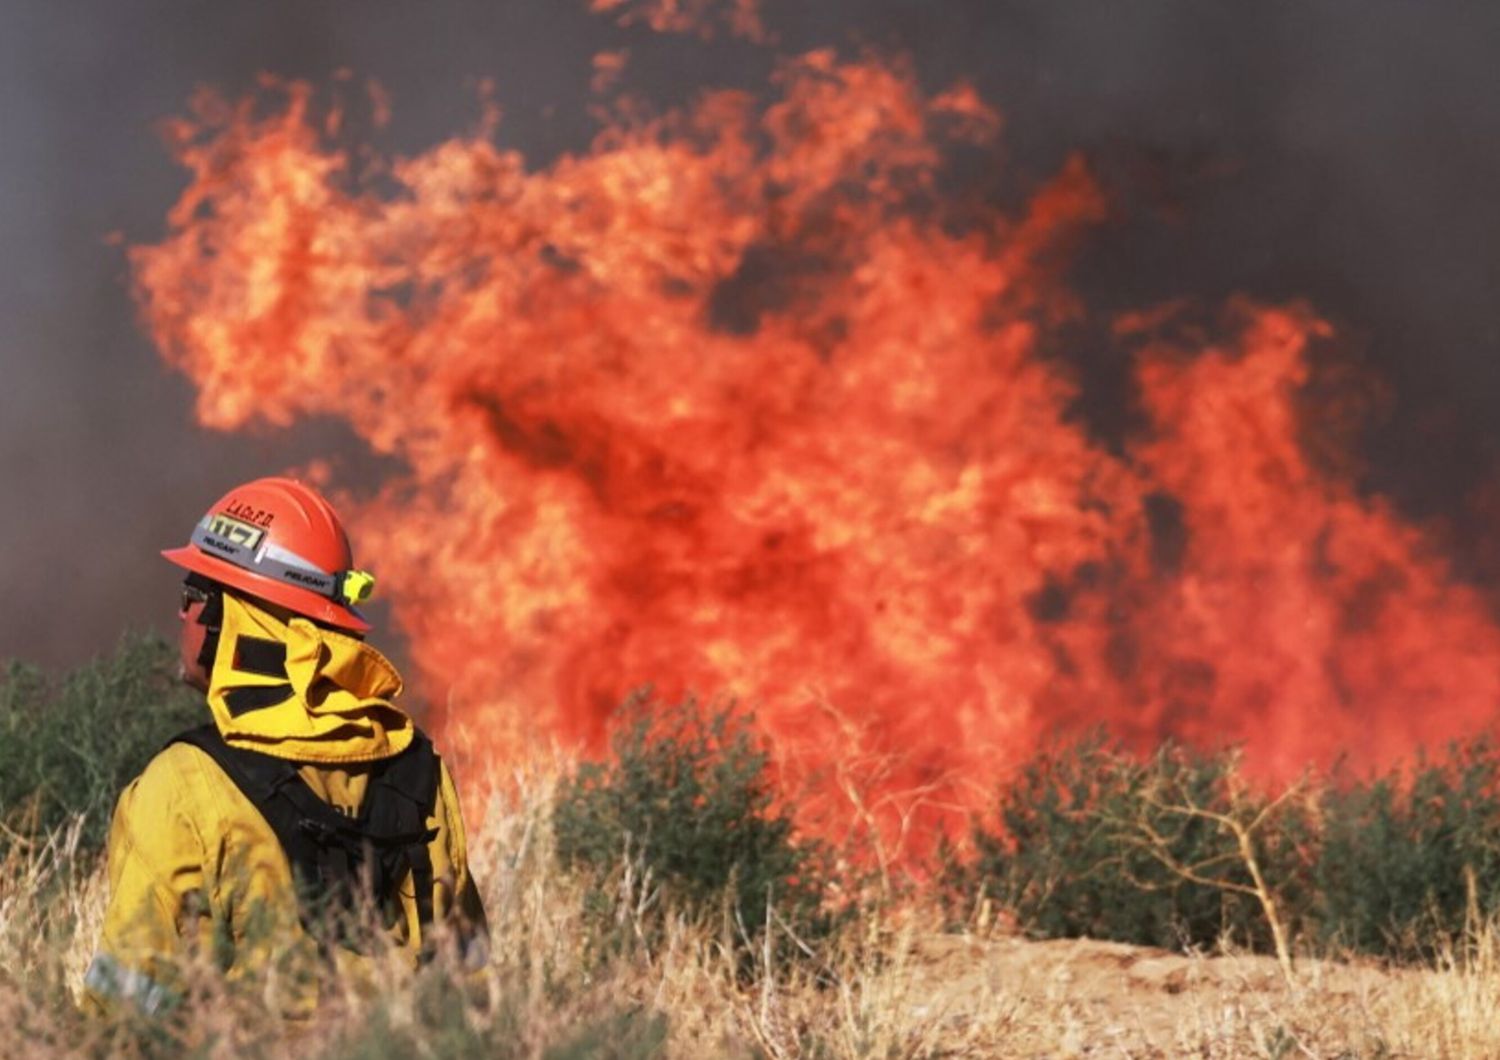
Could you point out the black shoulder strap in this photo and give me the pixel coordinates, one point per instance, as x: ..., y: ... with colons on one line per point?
x: 325, y: 848
x: 274, y: 786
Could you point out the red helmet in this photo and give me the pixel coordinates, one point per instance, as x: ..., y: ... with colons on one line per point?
x: 278, y: 539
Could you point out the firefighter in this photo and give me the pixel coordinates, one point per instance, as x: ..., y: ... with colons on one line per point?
x: 310, y: 804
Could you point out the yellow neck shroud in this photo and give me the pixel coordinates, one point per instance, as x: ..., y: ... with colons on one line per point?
x: 338, y: 690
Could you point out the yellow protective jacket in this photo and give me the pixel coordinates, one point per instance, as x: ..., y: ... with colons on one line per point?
x: 196, y: 873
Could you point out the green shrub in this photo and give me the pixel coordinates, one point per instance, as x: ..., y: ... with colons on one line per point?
x: 1071, y: 855
x: 1411, y: 858
x: 1090, y: 841
x: 684, y: 809
x: 69, y: 745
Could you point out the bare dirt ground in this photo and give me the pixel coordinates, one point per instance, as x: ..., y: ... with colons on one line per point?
x: 1088, y: 998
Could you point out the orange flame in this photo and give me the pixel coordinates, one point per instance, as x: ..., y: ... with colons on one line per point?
x: 700, y: 18
x: 733, y: 403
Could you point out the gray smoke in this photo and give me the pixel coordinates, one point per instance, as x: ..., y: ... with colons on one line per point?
x: 1339, y: 151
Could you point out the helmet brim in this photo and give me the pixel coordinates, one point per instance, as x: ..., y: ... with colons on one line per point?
x: 302, y: 601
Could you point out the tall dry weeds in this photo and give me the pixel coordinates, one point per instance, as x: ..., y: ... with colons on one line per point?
x: 888, y: 984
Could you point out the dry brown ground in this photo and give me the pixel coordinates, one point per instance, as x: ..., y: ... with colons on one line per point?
x: 1082, y: 997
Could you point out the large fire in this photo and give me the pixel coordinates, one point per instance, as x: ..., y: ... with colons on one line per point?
x: 741, y: 402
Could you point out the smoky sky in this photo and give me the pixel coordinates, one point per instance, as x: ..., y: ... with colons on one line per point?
x: 1346, y: 153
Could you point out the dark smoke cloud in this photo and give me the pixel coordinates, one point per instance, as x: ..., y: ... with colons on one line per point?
x: 1342, y: 152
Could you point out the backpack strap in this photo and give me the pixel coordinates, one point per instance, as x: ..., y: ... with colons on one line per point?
x: 271, y: 785
x: 328, y: 851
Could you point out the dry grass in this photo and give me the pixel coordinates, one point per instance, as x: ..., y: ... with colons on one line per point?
x: 890, y: 984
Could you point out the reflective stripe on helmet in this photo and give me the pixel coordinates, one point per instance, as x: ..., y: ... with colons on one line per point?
x: 285, y: 566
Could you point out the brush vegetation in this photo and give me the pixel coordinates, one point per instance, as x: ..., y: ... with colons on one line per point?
x: 68, y: 745
x: 654, y: 903
x: 1180, y: 850
x: 678, y: 821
